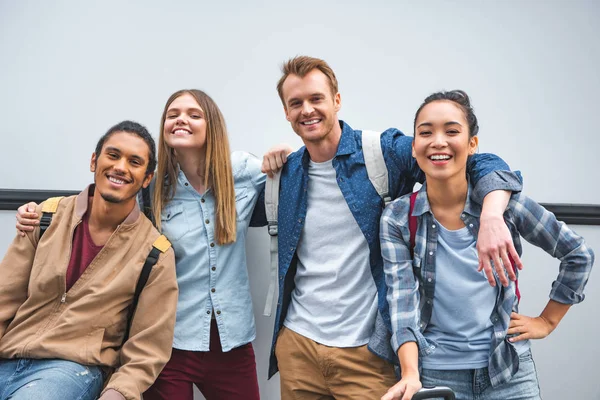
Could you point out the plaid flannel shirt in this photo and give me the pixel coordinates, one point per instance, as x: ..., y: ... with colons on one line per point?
x: 411, y: 283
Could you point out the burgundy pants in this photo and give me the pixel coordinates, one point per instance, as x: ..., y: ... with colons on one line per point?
x: 219, y: 375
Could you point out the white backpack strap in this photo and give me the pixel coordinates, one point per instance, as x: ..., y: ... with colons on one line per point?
x: 271, y: 207
x: 376, y: 169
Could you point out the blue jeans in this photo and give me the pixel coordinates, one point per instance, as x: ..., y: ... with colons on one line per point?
x: 52, y: 379
x: 474, y: 384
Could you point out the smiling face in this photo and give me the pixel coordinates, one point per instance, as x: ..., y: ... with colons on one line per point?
x: 185, y: 124
x: 120, y: 168
x: 442, y: 143
x: 310, y: 106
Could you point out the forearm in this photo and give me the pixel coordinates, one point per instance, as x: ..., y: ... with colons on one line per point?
x: 408, y: 354
x: 494, y: 204
x: 554, y: 312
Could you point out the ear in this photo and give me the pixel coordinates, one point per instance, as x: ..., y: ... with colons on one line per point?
x: 473, y: 143
x: 413, y: 149
x: 147, y: 180
x: 337, y: 101
x: 93, y: 163
x: 287, y: 115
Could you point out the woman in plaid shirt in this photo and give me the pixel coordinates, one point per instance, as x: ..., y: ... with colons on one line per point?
x: 450, y: 327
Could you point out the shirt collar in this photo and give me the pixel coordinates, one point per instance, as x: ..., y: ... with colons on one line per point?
x: 347, y: 144
x: 422, y: 203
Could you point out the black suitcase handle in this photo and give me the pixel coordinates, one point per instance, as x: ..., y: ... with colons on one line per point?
x: 433, y: 392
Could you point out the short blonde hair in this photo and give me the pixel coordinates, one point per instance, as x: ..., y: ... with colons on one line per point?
x: 301, y: 66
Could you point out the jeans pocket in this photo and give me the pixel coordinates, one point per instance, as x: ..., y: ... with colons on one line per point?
x: 526, y: 357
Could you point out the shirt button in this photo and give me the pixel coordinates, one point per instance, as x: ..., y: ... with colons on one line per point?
x: 433, y: 226
x: 300, y: 220
x: 202, y: 200
x: 428, y: 301
x: 208, y: 312
x: 214, y: 268
x: 219, y: 312
x: 431, y: 253
x: 212, y: 290
x: 428, y: 279
x: 186, y: 184
x: 212, y: 245
x: 499, y: 334
x: 206, y: 221
x: 463, y: 215
x: 470, y: 225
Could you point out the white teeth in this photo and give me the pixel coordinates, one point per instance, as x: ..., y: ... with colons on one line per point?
x: 311, y: 122
x: 181, y: 131
x: 115, y: 180
x: 439, y: 157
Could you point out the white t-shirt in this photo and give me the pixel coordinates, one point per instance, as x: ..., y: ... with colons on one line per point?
x: 335, y: 299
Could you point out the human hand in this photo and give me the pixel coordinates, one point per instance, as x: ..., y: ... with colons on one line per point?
x: 111, y: 394
x: 405, y: 389
x: 27, y: 218
x: 528, y: 327
x: 495, y: 244
x: 274, y: 158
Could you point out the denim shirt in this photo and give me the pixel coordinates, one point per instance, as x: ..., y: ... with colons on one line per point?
x: 211, y: 276
x: 411, y: 283
x: 366, y: 207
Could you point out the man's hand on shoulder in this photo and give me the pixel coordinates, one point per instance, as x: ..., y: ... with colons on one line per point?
x: 494, y: 241
x: 112, y: 394
x: 274, y: 158
x: 27, y: 218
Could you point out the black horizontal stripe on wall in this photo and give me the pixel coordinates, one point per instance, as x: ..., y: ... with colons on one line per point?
x: 574, y: 214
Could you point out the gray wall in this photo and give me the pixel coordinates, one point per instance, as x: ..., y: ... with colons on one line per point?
x: 71, y: 69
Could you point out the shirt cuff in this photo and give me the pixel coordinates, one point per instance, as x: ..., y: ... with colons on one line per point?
x: 497, y: 180
x: 564, y: 294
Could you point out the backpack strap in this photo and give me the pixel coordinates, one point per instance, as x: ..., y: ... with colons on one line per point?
x: 271, y: 209
x: 147, y: 204
x: 48, y: 209
x: 412, y: 223
x: 376, y: 168
x: 160, y: 245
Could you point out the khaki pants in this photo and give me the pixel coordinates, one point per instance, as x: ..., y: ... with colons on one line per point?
x: 312, y: 371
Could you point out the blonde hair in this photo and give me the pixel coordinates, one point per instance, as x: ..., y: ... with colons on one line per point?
x: 301, y: 66
x: 218, y: 171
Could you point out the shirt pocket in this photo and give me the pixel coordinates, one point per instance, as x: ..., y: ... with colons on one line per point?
x: 174, y: 222
x: 241, y: 204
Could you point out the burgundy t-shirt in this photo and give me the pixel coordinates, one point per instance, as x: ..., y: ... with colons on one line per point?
x: 83, y: 252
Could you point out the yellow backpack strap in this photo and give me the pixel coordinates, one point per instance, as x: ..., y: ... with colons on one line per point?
x: 48, y: 208
x: 162, y: 243
x: 51, y: 205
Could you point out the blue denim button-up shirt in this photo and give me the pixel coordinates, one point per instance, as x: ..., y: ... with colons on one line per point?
x: 211, y: 276
x: 411, y: 283
x: 366, y: 207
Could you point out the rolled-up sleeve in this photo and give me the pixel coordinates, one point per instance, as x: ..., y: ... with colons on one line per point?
x: 541, y: 228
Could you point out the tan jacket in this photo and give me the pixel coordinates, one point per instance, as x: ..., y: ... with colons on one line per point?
x: 86, y: 324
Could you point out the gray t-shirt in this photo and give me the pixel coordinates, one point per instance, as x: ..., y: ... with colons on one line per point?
x: 460, y: 327
x: 335, y: 299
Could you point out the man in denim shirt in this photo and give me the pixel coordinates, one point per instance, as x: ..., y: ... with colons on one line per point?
x: 332, y: 328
